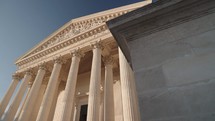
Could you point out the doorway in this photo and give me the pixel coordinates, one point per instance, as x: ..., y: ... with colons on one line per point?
x: 83, y: 113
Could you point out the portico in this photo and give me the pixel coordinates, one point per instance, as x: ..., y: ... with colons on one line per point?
x: 77, y: 73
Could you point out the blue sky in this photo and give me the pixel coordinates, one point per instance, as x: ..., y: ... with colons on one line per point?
x: 25, y: 23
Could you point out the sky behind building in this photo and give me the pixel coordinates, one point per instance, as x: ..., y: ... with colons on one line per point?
x: 24, y: 23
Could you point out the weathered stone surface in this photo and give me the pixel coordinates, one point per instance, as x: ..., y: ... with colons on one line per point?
x: 172, y: 54
x: 163, y: 104
x: 183, y: 102
x: 200, y: 96
x: 183, y: 36
x: 150, y: 79
x: 190, y: 69
x: 175, y: 78
x: 148, y: 57
x: 204, y: 117
x: 202, y: 43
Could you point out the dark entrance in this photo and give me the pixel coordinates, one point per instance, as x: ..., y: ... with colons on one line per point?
x: 83, y: 113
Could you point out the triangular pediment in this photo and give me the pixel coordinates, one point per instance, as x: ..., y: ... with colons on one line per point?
x: 80, y: 25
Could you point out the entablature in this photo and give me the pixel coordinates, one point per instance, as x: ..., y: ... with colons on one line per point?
x: 75, y: 28
x: 82, y: 41
x: 80, y: 25
x: 78, y: 33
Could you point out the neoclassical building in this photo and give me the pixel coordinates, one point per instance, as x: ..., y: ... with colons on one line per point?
x: 141, y: 62
x: 78, y: 73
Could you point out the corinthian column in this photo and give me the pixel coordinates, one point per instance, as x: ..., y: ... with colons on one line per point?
x: 29, y: 105
x: 108, y: 90
x: 69, y: 97
x: 8, y: 94
x: 50, y: 91
x: 129, y: 106
x: 95, y: 79
x: 18, y: 98
x: 38, y: 101
x: 24, y: 100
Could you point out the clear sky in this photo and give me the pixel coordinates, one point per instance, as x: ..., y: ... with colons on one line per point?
x: 24, y: 23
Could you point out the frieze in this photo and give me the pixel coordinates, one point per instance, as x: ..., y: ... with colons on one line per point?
x: 74, y: 33
x: 60, y: 45
x: 77, y: 28
x: 26, y: 63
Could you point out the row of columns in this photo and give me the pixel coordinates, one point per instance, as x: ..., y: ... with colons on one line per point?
x: 28, y: 107
x: 18, y: 98
x: 9, y: 94
x: 129, y: 104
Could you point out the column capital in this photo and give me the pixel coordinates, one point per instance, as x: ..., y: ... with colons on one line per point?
x: 16, y: 76
x: 59, y: 60
x: 108, y: 60
x: 42, y: 66
x: 77, y: 53
x: 97, y: 44
x: 29, y: 72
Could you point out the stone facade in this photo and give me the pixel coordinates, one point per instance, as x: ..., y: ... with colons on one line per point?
x: 166, y: 48
x: 171, y: 47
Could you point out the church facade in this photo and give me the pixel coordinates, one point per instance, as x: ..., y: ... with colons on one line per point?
x: 78, y: 73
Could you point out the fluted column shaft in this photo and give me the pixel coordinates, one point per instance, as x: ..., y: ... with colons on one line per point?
x: 23, y: 103
x: 94, y: 91
x: 38, y: 102
x: 108, y: 91
x: 127, y: 90
x: 29, y: 105
x: 18, y: 98
x: 53, y: 108
x: 69, y: 96
x: 50, y: 91
x: 8, y: 94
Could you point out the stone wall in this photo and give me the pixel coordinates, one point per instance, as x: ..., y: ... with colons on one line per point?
x: 175, y: 72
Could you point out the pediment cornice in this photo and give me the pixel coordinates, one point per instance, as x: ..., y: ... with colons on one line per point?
x: 62, y: 44
x: 75, y: 31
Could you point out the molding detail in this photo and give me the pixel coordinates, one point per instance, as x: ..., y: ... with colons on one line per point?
x: 59, y: 60
x: 77, y: 53
x: 29, y: 72
x: 63, y: 44
x: 16, y: 76
x: 97, y: 44
x: 78, y: 27
x: 42, y: 67
x: 73, y: 34
x: 108, y: 60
